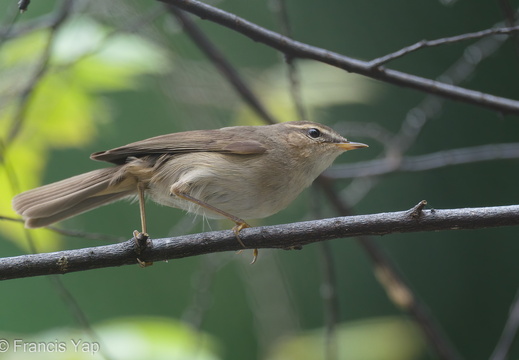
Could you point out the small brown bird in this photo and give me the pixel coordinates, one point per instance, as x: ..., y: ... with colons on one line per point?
x: 241, y: 172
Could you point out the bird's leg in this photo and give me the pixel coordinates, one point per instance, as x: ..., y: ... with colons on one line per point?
x: 142, y: 200
x: 239, y: 223
x: 141, y: 238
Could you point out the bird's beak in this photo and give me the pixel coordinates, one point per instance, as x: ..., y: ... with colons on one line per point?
x: 349, y: 145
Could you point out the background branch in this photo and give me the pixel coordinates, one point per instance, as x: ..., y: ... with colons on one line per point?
x: 430, y: 161
x: 443, y: 41
x: 221, y: 63
x: 509, y: 332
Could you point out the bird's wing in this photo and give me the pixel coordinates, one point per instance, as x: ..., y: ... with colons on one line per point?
x: 184, y: 142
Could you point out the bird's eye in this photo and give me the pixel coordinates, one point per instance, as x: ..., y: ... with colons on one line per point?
x: 314, y: 133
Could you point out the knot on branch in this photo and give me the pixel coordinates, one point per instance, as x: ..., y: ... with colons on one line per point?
x: 62, y: 264
x: 417, y: 210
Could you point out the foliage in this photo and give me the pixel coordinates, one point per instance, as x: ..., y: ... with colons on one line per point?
x: 132, y: 338
x: 66, y: 105
x: 389, y: 338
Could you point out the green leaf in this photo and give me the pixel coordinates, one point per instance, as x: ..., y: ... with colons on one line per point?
x: 134, y: 338
x: 66, y: 104
x: 385, y: 338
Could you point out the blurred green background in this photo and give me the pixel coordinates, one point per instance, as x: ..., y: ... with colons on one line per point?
x: 122, y: 71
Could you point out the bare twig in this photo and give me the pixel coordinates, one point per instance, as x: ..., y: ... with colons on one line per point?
x: 397, y: 288
x: 202, y: 282
x: 78, y: 313
x: 280, y: 7
x: 41, y: 22
x: 222, y: 64
x: 328, y: 286
x: 301, y: 50
x: 509, y: 332
x: 431, y: 106
x: 280, y: 236
x: 330, y: 299
x: 510, y: 19
x: 42, y: 67
x: 418, y: 117
x: 425, y: 162
x: 443, y: 41
x: 72, y: 233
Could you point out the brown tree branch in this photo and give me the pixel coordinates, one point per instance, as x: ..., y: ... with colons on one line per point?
x: 279, y: 236
x: 298, y: 49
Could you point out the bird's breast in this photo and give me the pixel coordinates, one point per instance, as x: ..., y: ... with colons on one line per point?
x: 241, y: 185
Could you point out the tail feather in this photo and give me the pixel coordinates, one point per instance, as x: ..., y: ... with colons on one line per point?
x: 83, y: 206
x: 76, y: 184
x: 50, y: 203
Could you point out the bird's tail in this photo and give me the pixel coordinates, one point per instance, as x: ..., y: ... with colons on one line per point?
x: 63, y: 199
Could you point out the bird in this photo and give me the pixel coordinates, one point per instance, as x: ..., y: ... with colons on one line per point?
x: 237, y: 172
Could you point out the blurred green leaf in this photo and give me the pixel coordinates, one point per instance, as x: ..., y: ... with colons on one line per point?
x: 386, y: 338
x: 125, y: 338
x: 66, y: 103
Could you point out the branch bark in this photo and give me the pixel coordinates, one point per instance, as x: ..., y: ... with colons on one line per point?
x: 279, y: 236
x: 298, y: 49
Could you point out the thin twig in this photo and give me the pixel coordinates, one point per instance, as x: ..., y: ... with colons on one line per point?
x: 41, y: 69
x: 417, y: 118
x: 328, y: 284
x: 78, y: 313
x: 202, y: 281
x: 509, y: 332
x: 280, y: 8
x: 443, y: 41
x: 301, y: 50
x: 222, y: 64
x: 72, y: 233
x: 328, y: 290
x: 42, y: 22
x: 430, y: 161
x: 397, y: 288
x: 7, y: 30
x: 431, y: 106
x: 280, y: 236
x: 510, y: 20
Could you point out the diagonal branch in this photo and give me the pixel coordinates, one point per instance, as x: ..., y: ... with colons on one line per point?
x: 41, y: 68
x: 509, y: 332
x: 222, y: 64
x: 396, y: 286
x: 298, y: 49
x: 279, y: 236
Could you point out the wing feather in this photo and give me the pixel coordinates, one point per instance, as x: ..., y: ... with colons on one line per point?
x: 217, y: 140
